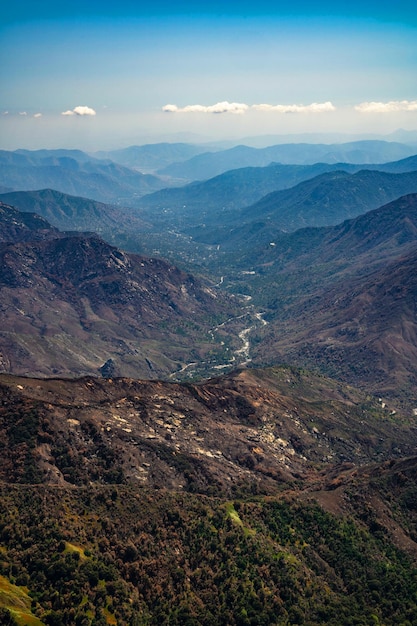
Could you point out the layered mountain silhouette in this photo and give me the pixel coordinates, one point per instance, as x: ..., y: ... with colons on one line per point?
x: 207, y: 165
x: 323, y: 200
x: 242, y: 187
x: 151, y: 157
x: 73, y: 172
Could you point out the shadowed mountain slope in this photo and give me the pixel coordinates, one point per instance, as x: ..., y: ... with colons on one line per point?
x: 22, y: 226
x: 325, y: 200
x: 355, y: 245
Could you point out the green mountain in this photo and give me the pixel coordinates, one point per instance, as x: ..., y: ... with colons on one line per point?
x: 74, y: 213
x: 202, y: 224
x: 242, y: 187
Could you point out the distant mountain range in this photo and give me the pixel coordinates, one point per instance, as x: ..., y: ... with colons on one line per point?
x: 79, y: 174
x: 198, y: 210
x: 328, y: 199
x: 207, y: 165
x: 73, y: 172
x: 151, y: 157
x: 242, y: 187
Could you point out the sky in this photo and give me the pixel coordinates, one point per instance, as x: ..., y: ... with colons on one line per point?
x: 103, y: 75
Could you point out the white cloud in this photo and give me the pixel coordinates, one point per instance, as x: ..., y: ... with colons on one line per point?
x: 38, y: 115
x: 387, y: 107
x: 80, y: 110
x: 236, y: 108
x: 170, y: 108
x: 22, y: 113
x: 240, y: 108
x: 315, y: 107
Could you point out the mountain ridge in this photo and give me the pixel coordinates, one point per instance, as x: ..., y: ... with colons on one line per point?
x: 68, y: 212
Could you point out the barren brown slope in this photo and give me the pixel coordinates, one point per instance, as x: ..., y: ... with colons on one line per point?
x: 69, y: 305
x: 362, y: 330
x: 261, y: 430
x: 17, y: 226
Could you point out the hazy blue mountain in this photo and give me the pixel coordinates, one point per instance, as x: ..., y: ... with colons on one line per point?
x: 231, y: 190
x: 332, y: 197
x: 74, y: 173
x: 50, y: 157
x: 359, y: 244
x: 327, y: 199
x: 409, y: 164
x: 209, y: 164
x: 408, y: 137
x: 150, y: 157
x: 243, y: 187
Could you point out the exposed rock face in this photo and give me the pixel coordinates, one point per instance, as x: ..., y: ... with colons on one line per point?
x: 107, y: 370
x: 18, y: 226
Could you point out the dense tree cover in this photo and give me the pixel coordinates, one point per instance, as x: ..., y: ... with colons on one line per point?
x: 118, y: 555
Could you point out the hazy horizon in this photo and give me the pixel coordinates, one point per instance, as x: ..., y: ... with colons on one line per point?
x: 103, y: 77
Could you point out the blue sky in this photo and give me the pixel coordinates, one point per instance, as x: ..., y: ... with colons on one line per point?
x: 108, y: 75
